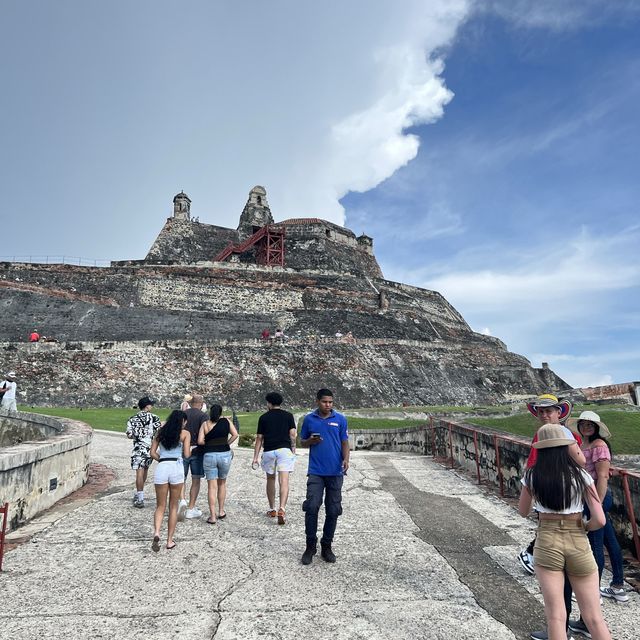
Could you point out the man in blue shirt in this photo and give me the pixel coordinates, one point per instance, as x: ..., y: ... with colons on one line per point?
x: 324, y: 431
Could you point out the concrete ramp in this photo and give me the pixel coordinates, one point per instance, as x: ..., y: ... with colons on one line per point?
x: 422, y: 553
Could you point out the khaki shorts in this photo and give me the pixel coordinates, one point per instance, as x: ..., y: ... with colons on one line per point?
x: 563, y: 545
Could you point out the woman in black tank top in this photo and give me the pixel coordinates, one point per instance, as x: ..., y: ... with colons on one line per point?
x: 215, y: 437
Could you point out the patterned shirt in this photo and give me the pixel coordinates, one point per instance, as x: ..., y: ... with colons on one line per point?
x: 142, y: 428
x: 593, y: 455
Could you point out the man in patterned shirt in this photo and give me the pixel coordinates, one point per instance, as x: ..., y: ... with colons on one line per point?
x: 141, y: 428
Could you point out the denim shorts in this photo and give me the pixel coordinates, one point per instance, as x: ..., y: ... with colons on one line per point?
x: 278, y: 459
x: 193, y: 462
x: 217, y: 464
x: 169, y: 472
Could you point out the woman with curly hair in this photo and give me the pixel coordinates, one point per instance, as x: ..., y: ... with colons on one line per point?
x: 557, y: 487
x: 171, y: 444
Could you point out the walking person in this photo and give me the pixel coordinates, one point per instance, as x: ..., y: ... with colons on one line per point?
x: 142, y: 428
x: 325, y: 432
x: 171, y: 444
x: 196, y: 417
x: 277, y: 435
x: 215, y: 436
x: 8, y: 391
x: 597, y: 453
x: 558, y: 487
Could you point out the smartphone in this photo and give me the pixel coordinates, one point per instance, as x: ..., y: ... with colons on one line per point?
x: 315, y: 435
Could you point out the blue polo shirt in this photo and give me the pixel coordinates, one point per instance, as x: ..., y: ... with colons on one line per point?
x: 325, y: 458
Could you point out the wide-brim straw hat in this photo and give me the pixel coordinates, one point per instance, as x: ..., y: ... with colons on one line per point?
x: 549, y: 400
x: 552, y: 435
x: 591, y: 416
x: 188, y: 397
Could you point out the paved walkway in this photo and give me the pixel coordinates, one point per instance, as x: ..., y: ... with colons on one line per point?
x: 422, y: 553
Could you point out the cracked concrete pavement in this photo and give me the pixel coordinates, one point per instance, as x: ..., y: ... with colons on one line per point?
x: 422, y: 553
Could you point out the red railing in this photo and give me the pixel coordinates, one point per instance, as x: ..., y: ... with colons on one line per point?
x: 503, y: 437
x: 4, y: 510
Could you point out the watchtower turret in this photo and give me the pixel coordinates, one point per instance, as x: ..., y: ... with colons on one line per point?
x: 182, y: 206
x: 256, y: 213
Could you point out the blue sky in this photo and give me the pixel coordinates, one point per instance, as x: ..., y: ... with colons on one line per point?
x: 489, y: 147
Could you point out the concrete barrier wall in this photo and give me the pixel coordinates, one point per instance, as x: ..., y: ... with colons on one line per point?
x: 50, y: 461
x: 455, y: 443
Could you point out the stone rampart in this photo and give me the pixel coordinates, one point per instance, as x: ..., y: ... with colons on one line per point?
x: 370, y: 372
x: 455, y: 443
x: 38, y: 471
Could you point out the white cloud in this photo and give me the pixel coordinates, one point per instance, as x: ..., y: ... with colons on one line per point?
x: 486, y: 331
x: 559, y: 15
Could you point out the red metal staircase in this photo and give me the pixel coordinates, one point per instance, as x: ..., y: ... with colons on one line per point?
x: 269, y: 245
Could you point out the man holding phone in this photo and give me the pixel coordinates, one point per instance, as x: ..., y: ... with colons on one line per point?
x: 324, y: 432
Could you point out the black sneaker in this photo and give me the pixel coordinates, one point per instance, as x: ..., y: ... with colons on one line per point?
x: 539, y: 635
x: 327, y: 554
x: 308, y: 554
x: 579, y: 627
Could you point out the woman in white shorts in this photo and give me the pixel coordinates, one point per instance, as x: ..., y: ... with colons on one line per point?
x: 171, y: 444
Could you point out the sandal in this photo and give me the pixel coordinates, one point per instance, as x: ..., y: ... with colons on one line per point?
x: 210, y: 521
x: 280, y: 516
x: 155, y: 545
x: 222, y: 516
x: 272, y: 513
x: 173, y: 546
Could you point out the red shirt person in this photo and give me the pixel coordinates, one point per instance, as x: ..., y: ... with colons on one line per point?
x: 34, y: 337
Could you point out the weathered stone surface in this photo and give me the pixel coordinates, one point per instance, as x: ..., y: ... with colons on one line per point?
x: 400, y: 344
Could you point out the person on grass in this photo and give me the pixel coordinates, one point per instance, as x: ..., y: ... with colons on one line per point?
x: 215, y: 436
x: 557, y: 487
x: 325, y: 432
x: 277, y: 435
x: 142, y: 428
x: 171, y: 444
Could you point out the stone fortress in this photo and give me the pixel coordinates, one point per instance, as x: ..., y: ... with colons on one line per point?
x: 190, y: 315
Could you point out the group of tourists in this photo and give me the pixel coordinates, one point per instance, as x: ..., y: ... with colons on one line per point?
x: 199, y: 442
x: 566, y: 484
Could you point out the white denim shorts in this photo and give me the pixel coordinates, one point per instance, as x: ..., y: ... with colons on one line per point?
x: 278, y: 459
x: 170, y: 471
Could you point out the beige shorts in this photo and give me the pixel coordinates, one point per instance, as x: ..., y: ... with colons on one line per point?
x: 563, y: 545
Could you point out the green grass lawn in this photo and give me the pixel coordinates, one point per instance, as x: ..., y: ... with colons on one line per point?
x: 624, y: 425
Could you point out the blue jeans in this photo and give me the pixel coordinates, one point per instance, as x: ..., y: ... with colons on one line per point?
x: 331, y: 488
x: 606, y: 537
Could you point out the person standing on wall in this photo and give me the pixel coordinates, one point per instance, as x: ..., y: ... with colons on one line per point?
x: 8, y: 391
x: 277, y: 434
x: 325, y: 432
x: 142, y: 428
x: 196, y: 417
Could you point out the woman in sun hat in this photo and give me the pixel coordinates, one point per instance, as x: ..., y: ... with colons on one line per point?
x: 597, y: 453
x: 557, y: 487
x: 186, y: 402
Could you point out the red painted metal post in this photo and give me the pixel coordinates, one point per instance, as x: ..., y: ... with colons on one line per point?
x: 451, y: 445
x: 630, y: 511
x: 5, y: 513
x: 495, y: 445
x: 475, y: 446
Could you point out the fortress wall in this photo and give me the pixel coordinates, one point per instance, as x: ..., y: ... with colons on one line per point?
x: 369, y: 373
x: 185, y: 241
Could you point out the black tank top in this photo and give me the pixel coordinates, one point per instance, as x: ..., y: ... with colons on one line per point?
x: 218, y: 438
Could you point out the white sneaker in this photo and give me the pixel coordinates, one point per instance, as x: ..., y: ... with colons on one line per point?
x: 615, y: 594
x: 193, y: 513
x: 526, y: 560
x: 182, y: 510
